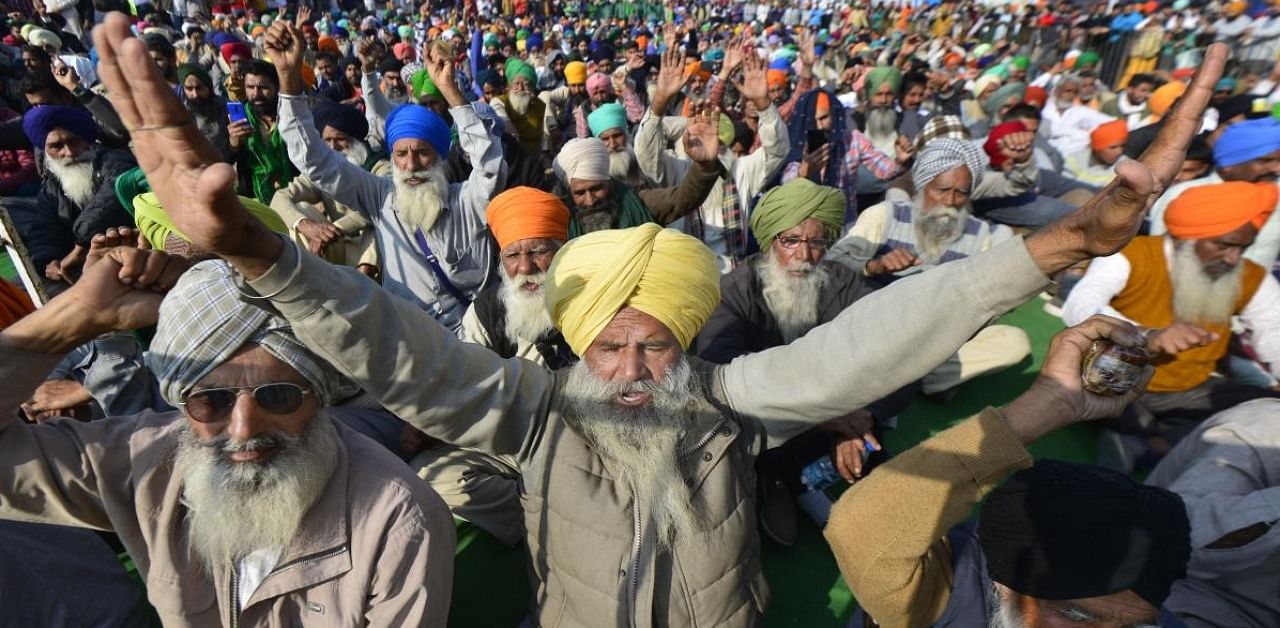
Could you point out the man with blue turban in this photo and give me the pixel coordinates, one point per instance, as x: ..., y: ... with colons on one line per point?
x: 431, y: 235
x: 77, y: 197
x: 1246, y: 151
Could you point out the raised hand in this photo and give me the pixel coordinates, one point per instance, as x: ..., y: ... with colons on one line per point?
x: 186, y: 173
x: 755, y: 80
x: 66, y: 75
x: 733, y: 56
x: 702, y: 138
x: 284, y: 43
x: 364, y: 52
x: 438, y: 59
x: 1105, y: 224
x: 304, y: 16
x: 671, y: 79
x: 808, y: 52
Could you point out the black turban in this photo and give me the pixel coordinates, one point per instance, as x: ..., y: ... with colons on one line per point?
x: 390, y: 64
x: 344, y: 118
x: 1062, y: 531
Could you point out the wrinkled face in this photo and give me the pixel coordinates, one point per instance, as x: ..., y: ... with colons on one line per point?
x: 521, y: 85
x: 633, y: 347
x: 1118, y: 610
x: 600, y: 94
x: 531, y: 256
x: 166, y: 64
x: 614, y: 139
x: 913, y: 96
x: 62, y: 145
x: 1067, y: 92
x: 696, y: 83
x: 253, y: 366
x: 412, y: 155
x: 325, y: 68
x: 1108, y: 155
x: 195, y: 90
x: 1222, y: 254
x: 800, y: 246
x: 392, y: 81
x: 261, y: 91
x: 337, y: 140
x: 1139, y: 93
x: 883, y: 96
x: 589, y: 195
x: 949, y: 189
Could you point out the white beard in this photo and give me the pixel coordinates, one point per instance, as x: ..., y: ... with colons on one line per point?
x: 1004, y: 613
x: 1197, y: 297
x: 75, y: 175
x: 520, y: 102
x: 623, y: 167
x: 936, y: 229
x: 644, y: 443
x: 239, y: 507
x: 420, y: 205
x: 527, y: 317
x: 1063, y: 105
x: 792, y: 300
x: 882, y: 128
x: 357, y: 153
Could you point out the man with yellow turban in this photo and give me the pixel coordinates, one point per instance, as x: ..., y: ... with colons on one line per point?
x: 635, y: 464
x: 771, y: 300
x: 1185, y: 288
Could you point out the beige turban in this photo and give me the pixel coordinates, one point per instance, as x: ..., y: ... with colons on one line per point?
x: 585, y: 158
x: 42, y: 38
x: 666, y: 274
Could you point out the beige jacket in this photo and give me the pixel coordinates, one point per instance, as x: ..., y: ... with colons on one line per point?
x: 594, y: 556
x: 376, y: 549
x: 303, y: 199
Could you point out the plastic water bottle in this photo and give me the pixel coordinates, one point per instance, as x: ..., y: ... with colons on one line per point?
x: 820, y: 474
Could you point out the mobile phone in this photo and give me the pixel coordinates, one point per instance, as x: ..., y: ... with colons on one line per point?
x: 815, y: 139
x: 235, y: 111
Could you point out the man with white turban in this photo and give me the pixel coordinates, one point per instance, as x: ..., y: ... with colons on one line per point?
x: 897, y: 239
x: 635, y: 464
x: 250, y: 483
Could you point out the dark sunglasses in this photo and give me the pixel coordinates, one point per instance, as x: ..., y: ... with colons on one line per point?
x: 212, y: 405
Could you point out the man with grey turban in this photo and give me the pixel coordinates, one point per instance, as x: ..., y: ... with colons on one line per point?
x: 250, y: 483
x: 896, y: 239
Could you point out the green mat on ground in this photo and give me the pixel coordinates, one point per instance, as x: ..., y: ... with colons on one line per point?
x: 491, y: 584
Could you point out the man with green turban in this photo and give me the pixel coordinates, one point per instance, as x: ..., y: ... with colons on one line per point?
x: 775, y: 297
x: 1086, y: 61
x: 880, y: 120
x: 1018, y: 68
x: 523, y: 112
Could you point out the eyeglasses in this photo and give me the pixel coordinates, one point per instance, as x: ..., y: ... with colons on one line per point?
x: 791, y: 242
x: 213, y: 405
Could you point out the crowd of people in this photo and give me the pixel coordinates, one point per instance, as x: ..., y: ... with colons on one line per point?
x: 291, y: 289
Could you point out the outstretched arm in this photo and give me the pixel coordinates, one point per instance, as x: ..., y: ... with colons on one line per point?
x: 876, y: 346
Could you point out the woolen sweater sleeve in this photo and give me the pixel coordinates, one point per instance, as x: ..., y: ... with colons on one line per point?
x: 886, y: 531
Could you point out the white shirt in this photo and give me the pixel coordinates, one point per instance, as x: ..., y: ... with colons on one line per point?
x: 1107, y: 277
x: 252, y: 570
x: 1069, y: 130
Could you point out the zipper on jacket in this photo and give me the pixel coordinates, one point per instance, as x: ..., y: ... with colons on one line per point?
x: 635, y: 556
x: 307, y: 559
x: 235, y: 597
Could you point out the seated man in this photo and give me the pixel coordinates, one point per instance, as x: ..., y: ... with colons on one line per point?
x: 315, y: 220
x: 1057, y: 544
x: 521, y: 109
x: 431, y: 237
x: 771, y: 300
x: 1068, y: 121
x: 250, y: 484
x: 598, y: 202
x: 609, y: 123
x: 637, y: 437
x: 1185, y: 288
x: 1226, y: 472
x: 1096, y: 165
x: 78, y: 192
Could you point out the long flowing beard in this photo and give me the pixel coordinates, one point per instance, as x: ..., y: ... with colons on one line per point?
x: 643, y: 443
x: 239, y: 507
x: 623, y: 167
x: 520, y: 102
x: 527, y: 317
x: 792, y: 300
x: 75, y: 175
x: 1199, y: 297
x: 936, y: 229
x: 420, y: 205
x: 882, y: 128
x: 357, y: 153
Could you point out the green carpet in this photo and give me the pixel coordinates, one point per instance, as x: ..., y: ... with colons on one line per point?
x: 491, y: 585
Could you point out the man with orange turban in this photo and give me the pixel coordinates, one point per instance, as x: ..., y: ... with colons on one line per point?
x: 1096, y: 165
x: 511, y: 319
x: 1184, y: 289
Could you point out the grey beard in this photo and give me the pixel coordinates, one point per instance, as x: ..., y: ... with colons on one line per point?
x: 397, y: 95
x: 421, y: 205
x: 936, y: 229
x: 882, y: 126
x: 623, y: 167
x: 643, y: 444
x: 357, y: 153
x: 527, y: 317
x: 75, y: 176
x: 1197, y: 297
x: 792, y: 300
x: 1063, y: 105
x: 239, y: 507
x: 1002, y: 611
x: 520, y: 102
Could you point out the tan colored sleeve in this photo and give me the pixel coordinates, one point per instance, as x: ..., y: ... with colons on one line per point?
x: 886, y: 531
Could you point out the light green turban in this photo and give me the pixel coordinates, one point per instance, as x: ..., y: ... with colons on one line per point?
x: 422, y: 85
x: 1022, y: 62
x: 789, y: 204
x: 516, y: 67
x: 881, y: 75
x: 1013, y: 92
x: 607, y: 116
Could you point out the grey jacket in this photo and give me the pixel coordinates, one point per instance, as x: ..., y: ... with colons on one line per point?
x: 594, y: 558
